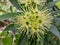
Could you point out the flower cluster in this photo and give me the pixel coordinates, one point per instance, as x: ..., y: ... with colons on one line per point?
x: 34, y: 20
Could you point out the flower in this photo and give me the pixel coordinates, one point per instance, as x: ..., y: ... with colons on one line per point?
x: 26, y: 2
x: 35, y: 20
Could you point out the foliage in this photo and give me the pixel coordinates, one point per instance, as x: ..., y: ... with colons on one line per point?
x: 33, y: 22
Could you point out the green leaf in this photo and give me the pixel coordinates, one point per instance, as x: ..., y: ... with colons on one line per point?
x: 7, y: 16
x: 9, y: 27
x: 57, y: 20
x: 15, y: 3
x: 58, y: 4
x: 42, y: 42
x: 17, y: 36
x: 3, y: 33
x: 23, y: 39
x: 54, y: 30
x: 7, y: 41
x: 51, y: 4
x: 49, y: 1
